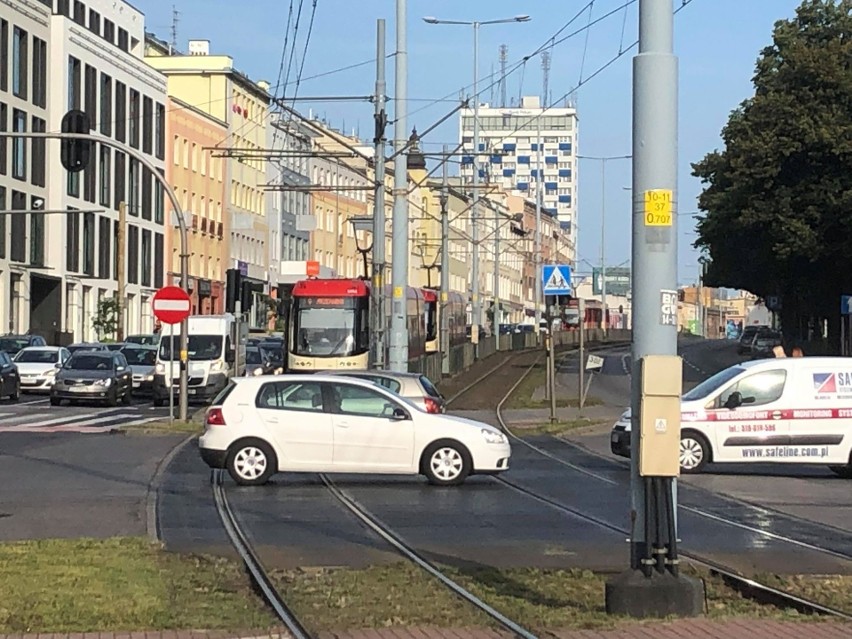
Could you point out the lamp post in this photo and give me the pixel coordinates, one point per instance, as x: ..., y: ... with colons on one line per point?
x: 362, y: 223
x: 475, y: 301
x: 603, y: 160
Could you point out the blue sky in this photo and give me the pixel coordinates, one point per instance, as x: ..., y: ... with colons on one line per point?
x: 716, y: 41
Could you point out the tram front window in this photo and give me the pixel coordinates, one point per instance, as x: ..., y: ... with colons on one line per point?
x: 325, y: 332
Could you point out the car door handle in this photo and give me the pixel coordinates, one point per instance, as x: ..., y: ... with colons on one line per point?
x: 342, y: 424
x: 272, y: 420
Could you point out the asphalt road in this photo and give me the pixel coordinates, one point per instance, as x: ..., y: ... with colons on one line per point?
x: 67, y: 485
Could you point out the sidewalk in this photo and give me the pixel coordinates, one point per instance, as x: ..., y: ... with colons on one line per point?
x: 678, y: 629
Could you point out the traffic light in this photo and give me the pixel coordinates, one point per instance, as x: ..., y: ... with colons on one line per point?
x: 233, y: 289
x: 75, y: 154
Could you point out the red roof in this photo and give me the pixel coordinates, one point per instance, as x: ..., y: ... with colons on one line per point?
x: 331, y: 288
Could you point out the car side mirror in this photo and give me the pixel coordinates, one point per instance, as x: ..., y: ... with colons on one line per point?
x: 398, y: 414
x: 735, y: 400
x: 119, y: 368
x: 58, y: 364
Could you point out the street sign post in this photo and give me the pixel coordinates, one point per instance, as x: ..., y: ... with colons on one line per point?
x: 171, y: 305
x: 845, y: 312
x: 556, y: 279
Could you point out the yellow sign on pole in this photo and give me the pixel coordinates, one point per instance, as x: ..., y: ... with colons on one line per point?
x: 658, y: 207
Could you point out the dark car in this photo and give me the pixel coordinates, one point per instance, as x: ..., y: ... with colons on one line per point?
x: 11, y: 344
x: 100, y: 376
x: 115, y: 346
x: 10, y: 381
x: 764, y: 342
x: 277, y: 352
x: 258, y: 362
x: 88, y: 347
x: 747, y: 337
x: 145, y: 340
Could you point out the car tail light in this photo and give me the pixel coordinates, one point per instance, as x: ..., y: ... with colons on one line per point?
x: 214, y: 417
x: 431, y: 405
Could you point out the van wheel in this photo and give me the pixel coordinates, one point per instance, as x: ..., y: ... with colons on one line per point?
x: 694, y: 452
x: 446, y: 463
x: 251, y: 462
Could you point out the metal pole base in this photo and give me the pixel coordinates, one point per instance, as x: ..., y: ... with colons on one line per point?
x: 632, y: 594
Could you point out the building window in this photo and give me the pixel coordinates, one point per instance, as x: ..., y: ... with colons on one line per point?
x: 109, y: 31
x: 79, y: 13
x: 4, y: 54
x: 123, y: 40
x: 120, y: 178
x: 133, y: 187
x: 104, y: 247
x: 147, y: 124
x: 19, y: 145
x: 72, y: 229
x: 133, y: 118
x: 90, y: 174
x: 89, y: 243
x: 106, y: 104
x: 74, y: 83
x: 4, y: 142
x: 92, y: 96
x: 132, y: 254
x: 73, y: 186
x: 159, y: 203
x: 2, y: 223
x: 146, y: 258
x: 18, y: 248
x: 36, y: 233
x: 105, y: 175
x: 146, y: 193
x: 94, y: 22
x: 39, y: 73
x: 120, y: 111
x: 39, y: 153
x: 19, y: 63
x: 160, y: 132
x: 158, y: 260
x: 115, y: 250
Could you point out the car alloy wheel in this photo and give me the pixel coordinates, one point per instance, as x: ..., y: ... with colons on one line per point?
x: 446, y: 464
x: 693, y: 453
x: 251, y: 462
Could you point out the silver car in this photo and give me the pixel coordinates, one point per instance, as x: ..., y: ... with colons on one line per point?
x: 142, y: 361
x: 414, y: 387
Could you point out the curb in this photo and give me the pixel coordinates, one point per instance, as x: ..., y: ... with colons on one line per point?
x: 152, y: 494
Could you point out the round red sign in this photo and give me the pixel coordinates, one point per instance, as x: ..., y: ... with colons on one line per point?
x: 171, y: 305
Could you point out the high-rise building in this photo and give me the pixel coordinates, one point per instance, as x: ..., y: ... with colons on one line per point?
x: 509, y: 153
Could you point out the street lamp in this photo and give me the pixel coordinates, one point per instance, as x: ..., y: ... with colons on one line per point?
x: 603, y: 160
x: 362, y: 223
x: 476, y: 304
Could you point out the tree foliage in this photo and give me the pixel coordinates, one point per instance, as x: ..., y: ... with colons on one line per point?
x: 777, y: 199
x: 106, y: 317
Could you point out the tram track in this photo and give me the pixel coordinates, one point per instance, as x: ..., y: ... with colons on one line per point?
x: 747, y: 586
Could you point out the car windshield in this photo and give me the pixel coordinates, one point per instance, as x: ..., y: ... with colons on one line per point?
x: 429, y: 387
x: 274, y: 352
x: 711, y: 384
x: 142, y: 339
x: 89, y: 362
x: 13, y: 344
x: 200, y: 347
x: 140, y: 356
x: 326, y: 331
x: 82, y: 348
x: 37, y: 357
x: 252, y: 356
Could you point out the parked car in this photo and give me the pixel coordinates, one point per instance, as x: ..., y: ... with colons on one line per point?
x: 37, y: 366
x: 100, y: 376
x: 11, y: 344
x: 414, y: 387
x: 114, y: 346
x: 258, y: 362
x: 146, y: 340
x: 87, y: 347
x: 258, y: 426
x: 747, y: 337
x: 764, y: 342
x: 142, y: 360
x: 10, y: 383
x: 277, y: 351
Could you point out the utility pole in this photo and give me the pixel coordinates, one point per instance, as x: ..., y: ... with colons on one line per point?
x: 604, y: 322
x: 496, y: 314
x: 445, y: 265
x: 474, y: 211
x: 504, y: 57
x: 378, y: 320
x: 537, y: 250
x: 653, y: 587
x: 399, y: 267
x: 120, y: 267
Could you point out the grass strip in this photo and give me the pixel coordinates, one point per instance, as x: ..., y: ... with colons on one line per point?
x: 556, y: 428
x: 164, y: 427
x: 523, y: 395
x: 834, y: 591
x: 121, y: 584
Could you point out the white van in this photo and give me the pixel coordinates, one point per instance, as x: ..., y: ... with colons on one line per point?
x: 210, y: 355
x: 787, y: 410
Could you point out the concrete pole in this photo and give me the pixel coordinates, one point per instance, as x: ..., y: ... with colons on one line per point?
x: 537, y: 249
x: 604, y: 323
x: 378, y: 291
x: 398, y: 356
x: 474, y: 211
x: 121, y: 261
x: 445, y: 266
x: 496, y: 314
x: 654, y: 258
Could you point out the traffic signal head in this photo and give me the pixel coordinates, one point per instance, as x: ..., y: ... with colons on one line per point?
x: 75, y: 154
x: 233, y: 288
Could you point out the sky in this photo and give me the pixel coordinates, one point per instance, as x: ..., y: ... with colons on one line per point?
x: 716, y: 41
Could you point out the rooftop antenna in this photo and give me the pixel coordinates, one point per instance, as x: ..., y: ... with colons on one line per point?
x: 504, y: 56
x: 545, y: 68
x: 173, y: 47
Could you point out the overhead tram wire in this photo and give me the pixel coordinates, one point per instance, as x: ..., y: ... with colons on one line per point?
x: 278, y: 83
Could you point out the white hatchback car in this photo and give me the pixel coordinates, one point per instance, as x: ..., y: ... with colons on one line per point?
x: 258, y: 426
x: 38, y: 365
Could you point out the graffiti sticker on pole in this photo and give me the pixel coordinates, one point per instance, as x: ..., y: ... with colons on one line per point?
x: 658, y: 207
x: 668, y: 308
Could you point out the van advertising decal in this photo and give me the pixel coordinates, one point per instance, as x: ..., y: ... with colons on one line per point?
x: 833, y: 385
x: 723, y: 415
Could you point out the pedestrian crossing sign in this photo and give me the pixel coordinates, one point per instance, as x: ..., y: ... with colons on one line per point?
x: 556, y: 279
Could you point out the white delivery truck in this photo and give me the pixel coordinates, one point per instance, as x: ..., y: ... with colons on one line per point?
x: 212, y: 350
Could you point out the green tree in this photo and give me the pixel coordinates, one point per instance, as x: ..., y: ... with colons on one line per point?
x: 777, y: 199
x: 106, y: 318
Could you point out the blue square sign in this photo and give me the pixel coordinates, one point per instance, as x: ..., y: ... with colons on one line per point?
x: 846, y: 304
x: 556, y: 279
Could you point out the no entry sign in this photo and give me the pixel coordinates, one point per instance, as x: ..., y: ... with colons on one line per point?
x: 171, y: 305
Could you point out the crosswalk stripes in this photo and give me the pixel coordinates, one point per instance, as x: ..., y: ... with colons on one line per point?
x: 51, y: 422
